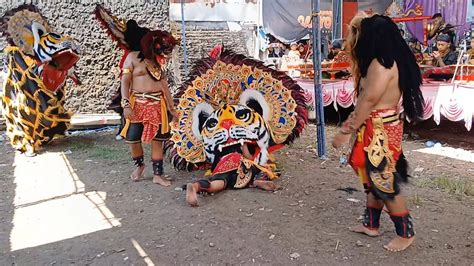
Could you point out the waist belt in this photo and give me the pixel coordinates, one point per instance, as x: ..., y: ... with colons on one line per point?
x: 148, y: 95
x: 391, y: 118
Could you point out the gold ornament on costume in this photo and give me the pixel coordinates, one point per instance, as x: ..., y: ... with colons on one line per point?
x: 223, y: 84
x: 155, y: 70
x: 377, y: 151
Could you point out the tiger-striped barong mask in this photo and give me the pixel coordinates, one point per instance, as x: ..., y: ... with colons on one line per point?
x: 57, y: 54
x: 225, y: 130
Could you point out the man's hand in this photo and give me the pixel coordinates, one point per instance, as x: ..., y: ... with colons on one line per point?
x: 127, y: 112
x: 340, y: 140
x: 175, y: 115
x: 436, y: 54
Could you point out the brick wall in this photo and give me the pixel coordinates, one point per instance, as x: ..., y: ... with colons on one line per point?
x: 201, y: 39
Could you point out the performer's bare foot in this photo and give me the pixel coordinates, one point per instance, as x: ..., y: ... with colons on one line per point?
x: 265, y: 185
x: 399, y: 244
x: 137, y: 174
x: 364, y: 230
x: 191, y: 195
x: 157, y: 179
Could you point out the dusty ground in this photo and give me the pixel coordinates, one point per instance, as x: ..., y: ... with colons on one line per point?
x: 304, y: 223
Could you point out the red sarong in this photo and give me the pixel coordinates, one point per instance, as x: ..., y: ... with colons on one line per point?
x: 376, y: 150
x: 147, y: 112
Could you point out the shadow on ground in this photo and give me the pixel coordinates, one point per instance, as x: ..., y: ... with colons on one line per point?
x: 305, y: 222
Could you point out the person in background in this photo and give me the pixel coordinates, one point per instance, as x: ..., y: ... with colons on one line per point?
x: 276, y: 50
x: 441, y: 27
x: 445, y: 55
x: 294, y: 52
x: 335, y: 48
x: 470, y: 52
x: 415, y: 48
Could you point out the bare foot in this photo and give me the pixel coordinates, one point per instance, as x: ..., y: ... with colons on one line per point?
x: 191, y: 195
x: 160, y: 181
x: 399, y: 244
x: 137, y: 174
x: 265, y: 185
x: 364, y: 230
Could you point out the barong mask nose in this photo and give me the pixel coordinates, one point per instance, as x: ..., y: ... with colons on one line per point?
x: 226, y: 129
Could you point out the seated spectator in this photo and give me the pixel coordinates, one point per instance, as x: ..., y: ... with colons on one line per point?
x: 276, y: 50
x: 439, y: 27
x: 334, y: 49
x: 444, y: 56
x: 415, y: 48
x: 294, y: 52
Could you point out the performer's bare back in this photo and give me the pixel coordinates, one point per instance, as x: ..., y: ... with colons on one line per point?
x: 381, y: 83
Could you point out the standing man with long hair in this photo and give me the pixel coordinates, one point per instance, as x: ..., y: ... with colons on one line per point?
x: 385, y: 71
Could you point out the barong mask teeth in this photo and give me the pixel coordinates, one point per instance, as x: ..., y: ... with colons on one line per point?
x: 224, y: 130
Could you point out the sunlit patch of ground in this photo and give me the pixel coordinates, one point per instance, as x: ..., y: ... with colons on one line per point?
x: 51, y: 203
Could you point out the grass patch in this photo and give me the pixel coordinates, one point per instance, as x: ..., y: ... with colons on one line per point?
x: 108, y: 153
x: 416, y: 200
x: 79, y: 145
x: 451, y: 185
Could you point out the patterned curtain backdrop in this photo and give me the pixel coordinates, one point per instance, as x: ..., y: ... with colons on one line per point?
x: 453, y: 11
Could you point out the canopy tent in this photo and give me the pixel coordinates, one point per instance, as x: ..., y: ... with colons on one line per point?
x: 282, y: 18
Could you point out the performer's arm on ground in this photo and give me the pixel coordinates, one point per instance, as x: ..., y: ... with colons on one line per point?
x: 245, y: 152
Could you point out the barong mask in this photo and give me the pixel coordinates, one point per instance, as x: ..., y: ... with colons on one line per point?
x: 39, y: 61
x: 156, y: 46
x: 52, y: 53
x: 230, y: 100
x: 226, y: 129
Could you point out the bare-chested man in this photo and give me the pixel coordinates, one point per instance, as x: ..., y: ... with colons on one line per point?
x: 146, y: 101
x: 384, y: 71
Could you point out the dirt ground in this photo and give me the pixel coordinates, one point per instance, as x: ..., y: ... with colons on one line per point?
x: 304, y: 223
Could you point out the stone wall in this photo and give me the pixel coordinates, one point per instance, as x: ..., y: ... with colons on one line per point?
x: 97, y: 67
x: 201, y: 39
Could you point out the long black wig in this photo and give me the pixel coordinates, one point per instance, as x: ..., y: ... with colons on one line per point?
x: 378, y: 37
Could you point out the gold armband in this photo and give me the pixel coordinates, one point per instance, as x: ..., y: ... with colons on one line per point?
x: 126, y: 71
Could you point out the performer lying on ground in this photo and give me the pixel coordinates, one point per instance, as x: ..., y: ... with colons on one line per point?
x: 384, y: 71
x: 146, y: 99
x: 233, y: 112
